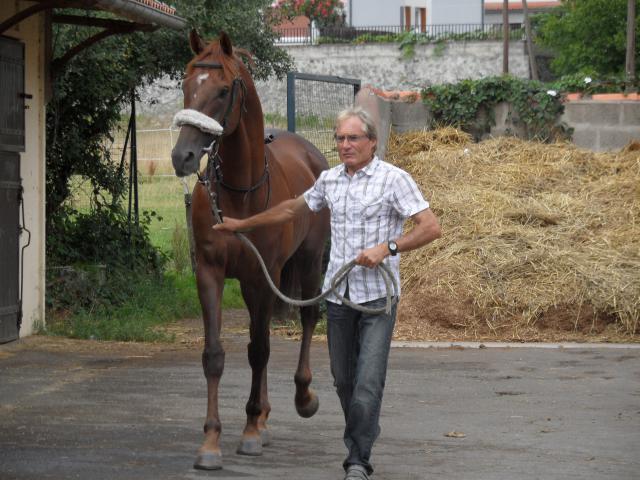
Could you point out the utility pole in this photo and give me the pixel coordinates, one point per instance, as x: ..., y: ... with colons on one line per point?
x: 630, y: 65
x: 533, y: 65
x: 505, y: 37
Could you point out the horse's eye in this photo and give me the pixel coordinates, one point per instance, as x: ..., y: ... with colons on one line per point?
x: 224, y: 92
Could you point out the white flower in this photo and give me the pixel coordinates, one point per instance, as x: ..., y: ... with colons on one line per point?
x: 587, y: 80
x: 553, y: 93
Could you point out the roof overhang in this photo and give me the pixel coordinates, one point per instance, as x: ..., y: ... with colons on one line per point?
x: 134, y: 15
x: 151, y: 13
x: 532, y: 5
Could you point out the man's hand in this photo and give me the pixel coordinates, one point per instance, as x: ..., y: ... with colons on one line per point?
x: 230, y: 225
x: 372, y: 257
x: 281, y: 213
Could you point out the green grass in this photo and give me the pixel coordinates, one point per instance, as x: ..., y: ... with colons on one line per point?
x: 155, y: 301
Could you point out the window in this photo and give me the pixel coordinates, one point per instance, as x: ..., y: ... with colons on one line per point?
x: 405, y: 18
x: 421, y: 19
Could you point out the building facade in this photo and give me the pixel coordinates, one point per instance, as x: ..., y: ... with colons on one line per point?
x: 416, y: 14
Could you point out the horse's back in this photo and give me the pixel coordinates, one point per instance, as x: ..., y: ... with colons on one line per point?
x: 292, y: 151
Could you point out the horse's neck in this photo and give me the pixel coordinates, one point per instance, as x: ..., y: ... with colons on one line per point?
x: 243, y: 167
x: 245, y: 146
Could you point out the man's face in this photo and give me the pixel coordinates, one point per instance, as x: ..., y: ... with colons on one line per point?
x: 354, y: 147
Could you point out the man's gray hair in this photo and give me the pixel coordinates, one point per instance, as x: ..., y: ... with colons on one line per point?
x: 369, y: 125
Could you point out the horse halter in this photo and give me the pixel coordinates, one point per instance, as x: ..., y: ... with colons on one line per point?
x: 204, y: 122
x: 210, y: 125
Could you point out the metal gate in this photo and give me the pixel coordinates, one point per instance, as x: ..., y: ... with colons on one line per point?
x: 313, y: 101
x: 12, y: 132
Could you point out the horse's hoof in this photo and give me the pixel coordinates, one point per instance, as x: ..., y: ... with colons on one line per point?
x: 208, y: 461
x: 265, y: 437
x: 250, y: 446
x: 309, y: 410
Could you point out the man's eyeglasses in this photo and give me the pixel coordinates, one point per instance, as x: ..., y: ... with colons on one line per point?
x: 349, y: 138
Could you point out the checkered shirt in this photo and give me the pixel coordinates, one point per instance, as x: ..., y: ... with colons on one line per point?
x: 367, y: 209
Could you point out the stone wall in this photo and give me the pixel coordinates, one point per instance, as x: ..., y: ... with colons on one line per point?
x: 382, y: 66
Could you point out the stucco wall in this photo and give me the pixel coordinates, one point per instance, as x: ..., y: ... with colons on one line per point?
x: 32, y: 164
x: 454, y: 11
x: 382, y: 66
x: 366, y: 13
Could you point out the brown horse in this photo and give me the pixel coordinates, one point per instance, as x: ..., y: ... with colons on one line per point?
x: 246, y: 176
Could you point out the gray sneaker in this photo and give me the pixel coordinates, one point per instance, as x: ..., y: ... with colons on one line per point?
x: 356, y: 472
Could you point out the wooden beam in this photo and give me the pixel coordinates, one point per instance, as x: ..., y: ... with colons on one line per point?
x: 505, y: 35
x: 533, y: 65
x: 99, y: 22
x: 58, y: 63
x: 26, y: 13
x: 630, y: 64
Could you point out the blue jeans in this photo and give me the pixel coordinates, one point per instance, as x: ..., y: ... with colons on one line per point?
x: 359, y: 345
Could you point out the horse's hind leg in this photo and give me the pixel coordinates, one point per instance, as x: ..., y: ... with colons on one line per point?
x: 306, y: 399
x: 260, y: 303
x: 210, y: 287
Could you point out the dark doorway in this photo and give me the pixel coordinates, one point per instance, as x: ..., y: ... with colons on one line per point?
x: 12, y: 131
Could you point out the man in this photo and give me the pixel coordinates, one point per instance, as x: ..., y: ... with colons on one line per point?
x: 369, y: 201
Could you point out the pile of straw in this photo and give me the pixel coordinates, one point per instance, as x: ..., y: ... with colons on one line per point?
x: 539, y: 241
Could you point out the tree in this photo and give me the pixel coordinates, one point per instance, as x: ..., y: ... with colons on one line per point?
x: 89, y: 94
x: 94, y: 87
x: 586, y: 36
x: 325, y: 13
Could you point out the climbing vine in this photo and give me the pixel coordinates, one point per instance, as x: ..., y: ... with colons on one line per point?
x: 537, y: 106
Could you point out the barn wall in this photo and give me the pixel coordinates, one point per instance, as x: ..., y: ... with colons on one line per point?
x: 32, y: 162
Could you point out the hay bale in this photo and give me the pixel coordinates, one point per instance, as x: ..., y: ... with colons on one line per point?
x: 540, y: 241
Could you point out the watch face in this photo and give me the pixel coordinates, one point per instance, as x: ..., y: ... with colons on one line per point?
x: 393, y: 247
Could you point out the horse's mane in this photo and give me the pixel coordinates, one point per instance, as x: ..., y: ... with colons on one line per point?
x: 242, y: 53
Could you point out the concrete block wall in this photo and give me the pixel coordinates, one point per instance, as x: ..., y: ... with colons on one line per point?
x: 599, y: 126
x: 603, y: 125
x: 391, y: 115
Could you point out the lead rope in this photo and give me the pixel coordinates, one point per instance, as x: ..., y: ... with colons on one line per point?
x: 390, y: 282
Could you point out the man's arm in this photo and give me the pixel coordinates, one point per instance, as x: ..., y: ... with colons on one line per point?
x: 425, y: 230
x: 280, y: 213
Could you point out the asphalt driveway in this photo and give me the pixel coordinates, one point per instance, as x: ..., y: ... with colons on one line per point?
x: 98, y: 410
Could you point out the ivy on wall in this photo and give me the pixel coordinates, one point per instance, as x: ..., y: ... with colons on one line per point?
x: 537, y: 106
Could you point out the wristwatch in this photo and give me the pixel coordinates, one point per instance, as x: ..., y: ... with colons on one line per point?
x: 393, y: 248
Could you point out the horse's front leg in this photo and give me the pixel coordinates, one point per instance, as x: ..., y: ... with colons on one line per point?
x: 306, y: 400
x: 210, y: 285
x: 260, y: 301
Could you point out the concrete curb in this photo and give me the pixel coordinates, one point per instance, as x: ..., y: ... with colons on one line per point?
x: 407, y: 344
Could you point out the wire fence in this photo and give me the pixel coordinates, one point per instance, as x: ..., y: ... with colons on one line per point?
x: 154, y: 145
x: 153, y: 150
x: 313, y: 102
x: 396, y: 33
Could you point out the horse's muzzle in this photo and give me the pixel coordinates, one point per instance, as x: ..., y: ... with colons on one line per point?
x: 185, y: 160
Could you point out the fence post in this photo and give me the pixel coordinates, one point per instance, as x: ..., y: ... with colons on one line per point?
x: 291, y: 101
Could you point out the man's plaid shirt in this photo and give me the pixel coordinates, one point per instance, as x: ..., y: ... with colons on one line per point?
x: 367, y: 209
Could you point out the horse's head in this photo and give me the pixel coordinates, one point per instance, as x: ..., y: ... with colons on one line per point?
x: 214, y: 97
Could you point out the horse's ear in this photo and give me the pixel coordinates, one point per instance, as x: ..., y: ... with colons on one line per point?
x: 225, y: 44
x: 196, y: 42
